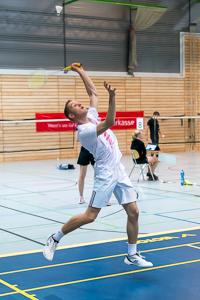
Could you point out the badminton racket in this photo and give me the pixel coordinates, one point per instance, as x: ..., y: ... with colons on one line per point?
x: 38, y: 78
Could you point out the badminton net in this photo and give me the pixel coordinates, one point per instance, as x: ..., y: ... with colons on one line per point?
x: 36, y: 135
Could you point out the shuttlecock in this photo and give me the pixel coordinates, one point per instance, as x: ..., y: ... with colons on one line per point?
x: 58, y: 9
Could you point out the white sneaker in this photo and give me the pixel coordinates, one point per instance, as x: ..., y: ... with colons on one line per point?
x: 82, y: 201
x: 138, y: 260
x: 50, y: 248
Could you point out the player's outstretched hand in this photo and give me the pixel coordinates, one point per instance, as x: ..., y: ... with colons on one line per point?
x: 109, y: 89
x: 76, y: 67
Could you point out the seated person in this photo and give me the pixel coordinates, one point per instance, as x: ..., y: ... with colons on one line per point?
x: 138, y: 145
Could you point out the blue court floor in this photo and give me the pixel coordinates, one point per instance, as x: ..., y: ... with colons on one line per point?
x: 98, y: 271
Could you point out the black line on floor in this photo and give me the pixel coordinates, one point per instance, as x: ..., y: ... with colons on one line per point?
x: 109, y: 230
x: 37, y: 175
x: 102, y: 230
x: 30, y: 192
x: 30, y: 214
x: 21, y: 236
x: 55, y: 221
x: 43, y: 193
x: 112, y: 213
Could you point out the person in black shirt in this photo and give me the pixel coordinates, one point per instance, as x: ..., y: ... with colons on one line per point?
x: 154, y: 128
x: 138, y: 145
x: 85, y: 158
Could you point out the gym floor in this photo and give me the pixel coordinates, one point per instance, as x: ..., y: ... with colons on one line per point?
x: 36, y: 199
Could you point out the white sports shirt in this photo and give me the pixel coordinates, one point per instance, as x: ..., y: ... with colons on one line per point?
x: 104, y: 147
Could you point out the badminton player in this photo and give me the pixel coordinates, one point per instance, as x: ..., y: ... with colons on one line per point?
x: 110, y: 176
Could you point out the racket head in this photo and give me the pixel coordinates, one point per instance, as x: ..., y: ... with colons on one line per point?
x: 37, y: 79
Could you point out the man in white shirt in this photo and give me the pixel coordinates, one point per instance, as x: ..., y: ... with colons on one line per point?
x: 110, y: 176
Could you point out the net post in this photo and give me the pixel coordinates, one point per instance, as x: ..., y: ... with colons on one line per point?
x: 64, y: 37
x: 193, y: 87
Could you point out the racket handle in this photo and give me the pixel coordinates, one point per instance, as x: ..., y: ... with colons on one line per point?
x: 70, y: 67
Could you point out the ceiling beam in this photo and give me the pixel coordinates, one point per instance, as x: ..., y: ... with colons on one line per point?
x: 119, y: 3
x: 69, y: 2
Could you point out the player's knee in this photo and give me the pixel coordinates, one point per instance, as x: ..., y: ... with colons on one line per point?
x: 90, y: 218
x: 134, y: 214
x: 82, y: 178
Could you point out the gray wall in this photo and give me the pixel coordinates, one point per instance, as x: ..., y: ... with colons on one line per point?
x: 31, y: 35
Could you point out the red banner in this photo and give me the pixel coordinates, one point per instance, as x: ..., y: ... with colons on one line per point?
x: 54, y: 126
x: 123, y: 120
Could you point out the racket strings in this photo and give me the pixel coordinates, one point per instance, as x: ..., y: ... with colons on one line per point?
x: 37, y: 79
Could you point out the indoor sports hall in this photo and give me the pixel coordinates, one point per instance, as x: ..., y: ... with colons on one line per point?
x: 150, y: 52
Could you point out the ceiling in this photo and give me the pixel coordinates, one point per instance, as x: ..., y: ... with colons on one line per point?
x: 31, y: 34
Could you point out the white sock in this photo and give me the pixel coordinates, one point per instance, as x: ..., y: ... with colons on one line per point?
x: 58, y: 236
x: 81, y: 198
x: 132, y: 249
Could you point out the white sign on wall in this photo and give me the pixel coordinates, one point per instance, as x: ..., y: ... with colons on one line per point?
x: 140, y: 123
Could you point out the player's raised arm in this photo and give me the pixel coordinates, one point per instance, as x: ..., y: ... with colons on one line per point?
x: 110, y: 118
x: 89, y: 85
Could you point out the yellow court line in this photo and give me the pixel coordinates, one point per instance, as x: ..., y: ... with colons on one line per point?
x: 18, y: 291
x: 92, y: 259
x: 166, y: 232
x: 109, y: 276
x: 191, y: 245
x: 100, y: 242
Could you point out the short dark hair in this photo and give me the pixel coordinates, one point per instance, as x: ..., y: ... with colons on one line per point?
x: 66, y: 109
x: 156, y: 113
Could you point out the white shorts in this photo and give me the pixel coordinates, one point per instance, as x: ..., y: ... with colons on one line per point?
x: 114, y: 181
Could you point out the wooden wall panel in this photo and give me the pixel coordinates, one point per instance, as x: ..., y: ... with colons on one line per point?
x: 1, y: 131
x: 20, y: 102
x: 165, y: 95
x: 197, y: 133
x: 170, y: 96
x: 192, y: 85
x: 133, y: 94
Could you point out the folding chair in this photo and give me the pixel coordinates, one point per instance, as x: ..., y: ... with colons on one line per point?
x: 135, y: 155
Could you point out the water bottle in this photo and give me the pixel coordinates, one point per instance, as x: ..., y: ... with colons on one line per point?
x: 57, y: 164
x: 182, y: 177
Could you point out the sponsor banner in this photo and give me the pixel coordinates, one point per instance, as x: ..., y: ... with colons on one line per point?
x: 54, y: 126
x: 123, y: 120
